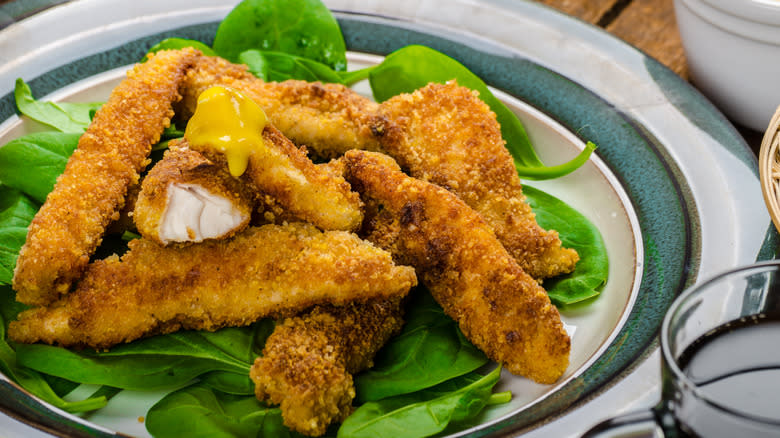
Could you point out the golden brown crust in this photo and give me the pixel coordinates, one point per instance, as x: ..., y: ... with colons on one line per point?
x: 91, y: 191
x: 328, y: 118
x: 125, y: 221
x: 499, y: 307
x: 270, y: 270
x: 446, y: 135
x: 308, y: 361
x: 284, y: 173
x: 443, y: 134
x: 181, y: 165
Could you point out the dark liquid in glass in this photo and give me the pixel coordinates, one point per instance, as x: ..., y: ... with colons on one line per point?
x: 738, y: 366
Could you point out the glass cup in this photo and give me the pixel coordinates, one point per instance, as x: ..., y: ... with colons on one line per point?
x: 720, y: 350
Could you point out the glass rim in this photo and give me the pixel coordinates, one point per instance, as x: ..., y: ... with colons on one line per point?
x: 671, y: 361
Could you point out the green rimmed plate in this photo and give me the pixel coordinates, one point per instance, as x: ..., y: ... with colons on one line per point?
x: 674, y: 189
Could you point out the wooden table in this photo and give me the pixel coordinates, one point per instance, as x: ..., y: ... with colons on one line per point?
x: 650, y: 25
x: 647, y: 24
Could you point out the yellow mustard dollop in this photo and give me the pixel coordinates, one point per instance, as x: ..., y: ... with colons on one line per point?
x: 228, y: 122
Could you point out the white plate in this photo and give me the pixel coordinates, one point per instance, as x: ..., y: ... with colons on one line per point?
x: 674, y: 189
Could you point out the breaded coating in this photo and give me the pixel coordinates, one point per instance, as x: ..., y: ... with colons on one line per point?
x: 446, y: 135
x: 270, y: 211
x: 308, y: 361
x: 125, y: 221
x: 443, y: 134
x: 187, y: 198
x: 499, y: 307
x: 265, y: 271
x: 91, y: 191
x: 328, y: 118
x: 283, y: 172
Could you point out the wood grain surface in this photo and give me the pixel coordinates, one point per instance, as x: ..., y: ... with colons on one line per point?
x: 591, y: 11
x: 649, y: 25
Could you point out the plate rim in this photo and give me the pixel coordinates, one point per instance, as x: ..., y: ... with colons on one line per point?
x: 649, y: 347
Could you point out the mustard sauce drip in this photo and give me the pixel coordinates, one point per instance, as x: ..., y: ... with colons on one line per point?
x: 228, y: 122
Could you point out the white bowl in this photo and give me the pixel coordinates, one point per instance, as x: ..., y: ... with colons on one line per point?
x: 733, y: 52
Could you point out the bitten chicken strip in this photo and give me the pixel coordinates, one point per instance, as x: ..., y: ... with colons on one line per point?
x: 266, y: 271
x: 442, y: 133
x: 299, y: 187
x: 308, y: 361
x: 187, y: 198
x: 328, y: 118
x: 91, y: 191
x: 230, y: 126
x: 498, y: 306
x: 446, y: 135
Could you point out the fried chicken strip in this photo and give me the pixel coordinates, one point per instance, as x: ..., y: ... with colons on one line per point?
x: 498, y: 306
x: 328, y: 118
x: 446, y: 135
x: 441, y: 133
x: 91, y: 191
x: 271, y: 211
x: 187, y: 198
x: 229, y: 125
x: 265, y: 271
x: 304, y: 190
x: 308, y: 361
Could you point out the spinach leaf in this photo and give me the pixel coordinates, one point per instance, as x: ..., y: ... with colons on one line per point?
x: 33, y: 162
x: 170, y: 133
x: 422, y: 413
x: 577, y: 232
x: 35, y: 382
x: 9, y: 307
x: 431, y: 349
x: 263, y: 329
x: 16, y: 213
x: 61, y: 387
x: 180, y: 43
x: 413, y: 67
x: 304, y: 28
x: 65, y: 117
x: 241, y: 346
x: 229, y: 382
x: 127, y: 372
x: 199, y: 411
x: 156, y: 362
x: 231, y: 346
x: 351, y: 77
x: 278, y: 66
x: 106, y: 391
